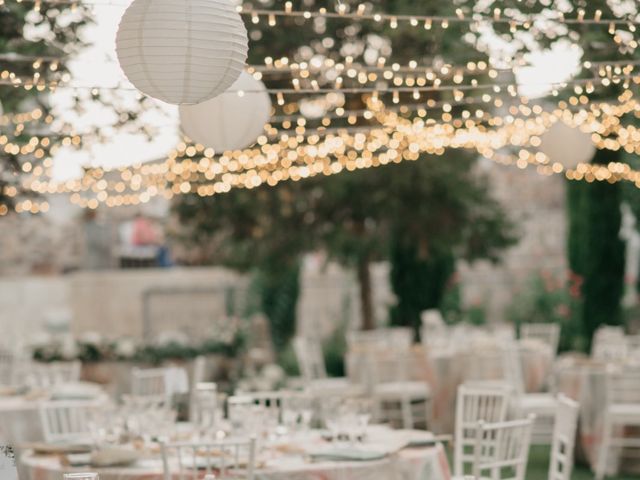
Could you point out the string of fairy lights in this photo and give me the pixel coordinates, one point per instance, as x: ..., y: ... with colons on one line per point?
x: 364, y: 12
x: 251, y: 179
x: 464, y: 106
x: 208, y: 175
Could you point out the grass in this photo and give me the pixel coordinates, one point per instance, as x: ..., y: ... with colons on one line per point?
x: 538, y: 467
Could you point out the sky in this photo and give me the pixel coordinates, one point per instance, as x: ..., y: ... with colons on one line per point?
x: 97, y: 65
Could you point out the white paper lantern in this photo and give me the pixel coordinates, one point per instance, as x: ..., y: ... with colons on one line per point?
x: 182, y: 51
x: 567, y: 145
x: 231, y: 121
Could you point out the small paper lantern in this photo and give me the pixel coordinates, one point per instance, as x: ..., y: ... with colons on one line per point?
x: 182, y: 51
x: 231, y: 121
x: 567, y: 145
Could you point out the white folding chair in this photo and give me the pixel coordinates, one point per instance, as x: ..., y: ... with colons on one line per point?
x: 501, y: 450
x: 475, y: 403
x: 623, y: 410
x: 226, y: 459
x: 151, y: 384
x: 199, y: 370
x: 396, y: 398
x: 312, y: 367
x: 633, y: 348
x: 396, y: 338
x: 564, y: 439
x: 67, y: 421
x: 542, y: 405
x: 205, y: 406
x: 547, y: 333
x: 11, y: 367
x: 609, y: 345
x: 44, y: 375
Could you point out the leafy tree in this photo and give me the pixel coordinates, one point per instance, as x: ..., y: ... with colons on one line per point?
x: 430, y: 209
x: 53, y: 35
x: 37, y: 39
x: 594, y: 248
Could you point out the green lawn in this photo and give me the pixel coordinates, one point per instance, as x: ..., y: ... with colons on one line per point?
x: 539, y: 467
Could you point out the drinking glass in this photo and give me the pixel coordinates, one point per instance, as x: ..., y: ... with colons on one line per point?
x: 206, y: 407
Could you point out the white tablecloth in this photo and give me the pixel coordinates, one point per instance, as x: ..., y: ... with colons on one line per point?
x: 428, y: 463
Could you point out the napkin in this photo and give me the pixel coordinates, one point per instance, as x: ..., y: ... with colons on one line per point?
x: 42, y: 448
x: 346, y: 454
x: 113, y: 456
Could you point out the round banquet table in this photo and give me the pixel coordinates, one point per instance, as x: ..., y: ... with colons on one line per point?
x: 445, y: 370
x: 425, y: 463
x: 584, y: 380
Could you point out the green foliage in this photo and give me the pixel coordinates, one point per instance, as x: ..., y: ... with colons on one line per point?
x: 604, y: 264
x: 596, y: 252
x: 548, y: 299
x: 476, y: 315
x: 418, y: 283
x: 288, y: 361
x: 153, y: 354
x: 59, y: 42
x: 279, y: 290
x: 436, y: 204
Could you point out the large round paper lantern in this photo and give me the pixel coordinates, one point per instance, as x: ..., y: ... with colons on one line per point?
x: 231, y: 121
x: 567, y: 145
x: 182, y: 51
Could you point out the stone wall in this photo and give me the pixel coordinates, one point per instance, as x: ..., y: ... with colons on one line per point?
x: 108, y: 302
x: 537, y: 205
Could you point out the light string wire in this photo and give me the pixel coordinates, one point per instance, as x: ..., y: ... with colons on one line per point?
x: 356, y: 90
x: 361, y: 13
x: 161, y: 170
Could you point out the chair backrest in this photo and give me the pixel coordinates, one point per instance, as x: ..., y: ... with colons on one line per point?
x: 270, y: 404
x: 501, y: 450
x: 474, y: 404
x: 512, y: 367
x: 633, y: 349
x: 199, y: 370
x: 205, y: 407
x: 150, y: 383
x: 435, y: 339
x: 310, y: 358
x: 385, y: 366
x: 609, y: 344
x: 227, y: 459
x: 67, y: 421
x: 611, y: 351
x: 43, y: 375
x: 548, y: 333
x: 11, y: 366
x: 396, y: 338
x: 623, y: 386
x: 564, y: 438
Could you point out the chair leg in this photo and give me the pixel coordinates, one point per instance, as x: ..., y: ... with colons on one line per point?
x: 603, y: 452
x: 427, y: 413
x: 377, y: 410
x: 407, y: 415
